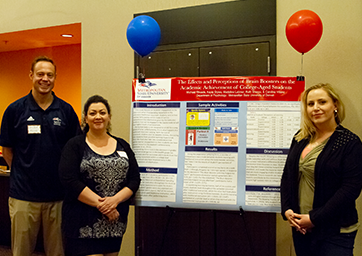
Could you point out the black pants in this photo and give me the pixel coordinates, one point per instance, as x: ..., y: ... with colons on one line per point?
x: 337, y: 245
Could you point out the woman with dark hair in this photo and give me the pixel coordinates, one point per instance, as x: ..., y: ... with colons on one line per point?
x: 100, y: 174
x: 322, y: 178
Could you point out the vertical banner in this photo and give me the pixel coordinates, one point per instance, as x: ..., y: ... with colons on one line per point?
x: 214, y: 142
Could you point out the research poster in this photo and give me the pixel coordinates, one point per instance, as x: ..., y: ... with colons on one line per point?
x: 213, y: 142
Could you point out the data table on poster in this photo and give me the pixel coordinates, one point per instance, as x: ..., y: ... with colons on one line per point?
x: 272, y: 124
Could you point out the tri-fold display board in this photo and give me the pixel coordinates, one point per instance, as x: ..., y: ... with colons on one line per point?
x: 213, y: 142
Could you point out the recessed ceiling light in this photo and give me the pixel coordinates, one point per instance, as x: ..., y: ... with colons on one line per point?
x: 67, y: 35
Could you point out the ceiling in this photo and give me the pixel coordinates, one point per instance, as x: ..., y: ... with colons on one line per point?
x: 40, y: 38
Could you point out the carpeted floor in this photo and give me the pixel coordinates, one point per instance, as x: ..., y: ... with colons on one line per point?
x: 6, y: 251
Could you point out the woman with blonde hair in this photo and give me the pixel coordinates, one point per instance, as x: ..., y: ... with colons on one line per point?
x: 322, y: 178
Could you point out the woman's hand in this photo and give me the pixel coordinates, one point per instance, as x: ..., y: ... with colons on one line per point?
x: 304, y: 222
x: 294, y: 221
x: 107, y: 204
x: 112, y: 215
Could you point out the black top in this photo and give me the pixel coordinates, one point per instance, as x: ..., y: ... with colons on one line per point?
x: 338, y: 182
x: 37, y: 137
x: 81, y: 167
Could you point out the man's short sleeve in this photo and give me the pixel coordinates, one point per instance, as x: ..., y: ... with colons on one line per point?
x: 7, y: 128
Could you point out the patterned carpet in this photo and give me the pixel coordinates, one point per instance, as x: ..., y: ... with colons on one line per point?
x: 6, y: 251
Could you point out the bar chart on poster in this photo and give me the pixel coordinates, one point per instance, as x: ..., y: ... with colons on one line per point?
x: 213, y: 142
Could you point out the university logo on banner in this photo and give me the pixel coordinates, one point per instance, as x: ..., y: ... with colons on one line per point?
x: 155, y: 89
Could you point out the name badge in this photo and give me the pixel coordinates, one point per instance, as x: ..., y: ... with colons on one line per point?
x: 34, y: 129
x: 122, y: 154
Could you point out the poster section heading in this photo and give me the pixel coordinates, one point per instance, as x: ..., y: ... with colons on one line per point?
x: 218, y: 89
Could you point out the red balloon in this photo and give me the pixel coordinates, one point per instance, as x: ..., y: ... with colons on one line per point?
x: 304, y: 30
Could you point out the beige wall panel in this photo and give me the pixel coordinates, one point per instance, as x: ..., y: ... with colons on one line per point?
x: 336, y: 59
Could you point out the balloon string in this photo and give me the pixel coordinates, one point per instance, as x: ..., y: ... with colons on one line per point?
x: 141, y: 73
x: 144, y: 66
x: 301, y: 65
x: 143, y: 70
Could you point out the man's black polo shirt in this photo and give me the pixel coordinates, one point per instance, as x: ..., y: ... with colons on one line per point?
x: 37, y: 137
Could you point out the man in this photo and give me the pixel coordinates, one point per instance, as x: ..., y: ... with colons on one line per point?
x: 33, y: 132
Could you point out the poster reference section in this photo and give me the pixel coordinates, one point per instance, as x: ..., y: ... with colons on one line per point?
x: 215, y: 142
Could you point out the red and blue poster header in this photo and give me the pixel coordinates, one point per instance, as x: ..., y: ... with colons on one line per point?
x: 218, y: 89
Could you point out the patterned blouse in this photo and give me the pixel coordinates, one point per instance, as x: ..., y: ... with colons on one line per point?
x: 103, y: 174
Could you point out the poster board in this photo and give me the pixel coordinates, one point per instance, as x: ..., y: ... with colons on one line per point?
x: 213, y: 142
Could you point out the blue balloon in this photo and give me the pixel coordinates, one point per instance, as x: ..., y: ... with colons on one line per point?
x: 143, y: 34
